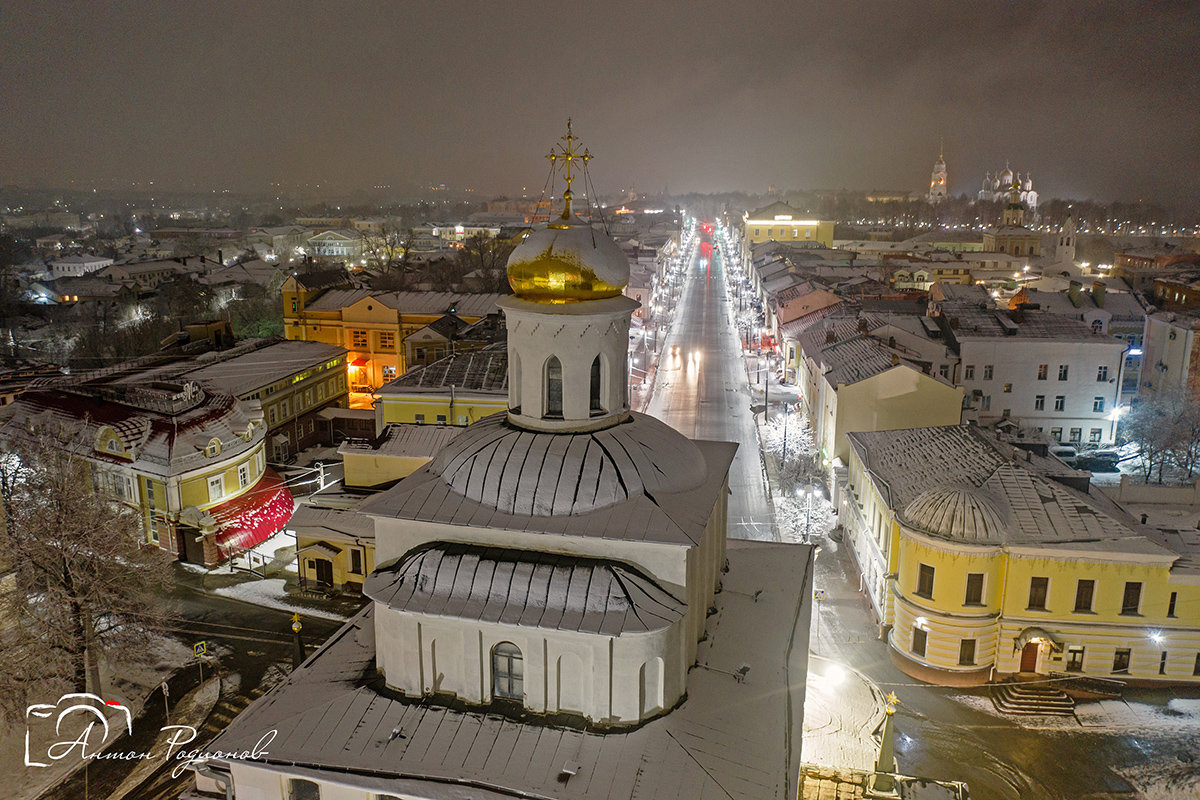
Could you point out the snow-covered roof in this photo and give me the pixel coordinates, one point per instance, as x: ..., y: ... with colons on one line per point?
x: 404, y: 440
x: 954, y: 482
x: 331, y: 523
x: 484, y: 371
x: 730, y: 739
x: 465, y: 305
x: 529, y: 589
x: 664, y: 515
x: 520, y: 471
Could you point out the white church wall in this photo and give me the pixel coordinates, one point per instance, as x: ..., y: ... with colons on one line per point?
x: 563, y: 670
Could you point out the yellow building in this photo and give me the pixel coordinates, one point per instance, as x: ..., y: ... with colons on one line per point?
x: 400, y: 450
x: 850, y: 382
x: 335, y: 548
x: 981, y: 560
x: 190, y: 459
x: 455, y: 390
x: 371, y: 325
x: 781, y: 223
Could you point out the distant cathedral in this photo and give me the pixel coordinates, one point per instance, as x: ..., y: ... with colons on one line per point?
x: 997, y: 188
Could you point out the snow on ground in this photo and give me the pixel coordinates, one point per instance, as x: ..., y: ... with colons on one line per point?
x: 843, y: 709
x: 1101, y: 715
x: 271, y: 592
x: 127, y: 684
x: 1163, y: 780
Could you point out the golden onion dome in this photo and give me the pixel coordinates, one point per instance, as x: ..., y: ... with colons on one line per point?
x: 566, y: 262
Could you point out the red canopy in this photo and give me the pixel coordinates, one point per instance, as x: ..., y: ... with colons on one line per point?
x: 253, y: 516
x: 358, y: 362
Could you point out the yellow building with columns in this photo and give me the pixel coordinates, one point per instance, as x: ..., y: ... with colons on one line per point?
x: 982, y: 560
x: 780, y: 222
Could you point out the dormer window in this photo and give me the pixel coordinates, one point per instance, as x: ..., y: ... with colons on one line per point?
x: 213, y: 448
x: 112, y: 445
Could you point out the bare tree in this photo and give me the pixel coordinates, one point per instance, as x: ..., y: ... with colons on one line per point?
x: 86, y: 585
x: 487, y: 258
x: 1148, y: 427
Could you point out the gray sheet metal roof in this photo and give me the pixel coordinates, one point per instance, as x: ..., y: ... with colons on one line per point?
x: 666, y: 517
x: 404, y: 440
x: 924, y: 473
x: 537, y: 473
x: 729, y: 740
x: 529, y: 589
x: 470, y: 305
x: 331, y: 523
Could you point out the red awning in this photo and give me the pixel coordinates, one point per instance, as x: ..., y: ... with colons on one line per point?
x: 358, y: 362
x: 253, y: 516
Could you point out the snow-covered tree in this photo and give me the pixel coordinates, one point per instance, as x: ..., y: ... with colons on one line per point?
x: 85, y: 584
x: 788, y: 438
x: 804, y: 516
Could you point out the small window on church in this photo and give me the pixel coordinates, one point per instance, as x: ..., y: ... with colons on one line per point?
x: 300, y: 789
x: 508, y: 672
x: 596, y: 405
x: 554, y: 388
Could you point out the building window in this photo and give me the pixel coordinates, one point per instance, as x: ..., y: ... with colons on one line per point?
x: 1037, y: 593
x: 1075, y: 659
x: 1043, y: 369
x: 216, y: 488
x: 388, y: 372
x: 419, y: 419
x: 356, y: 561
x: 974, y: 589
x: 594, y: 392
x: 1132, y: 599
x: 918, y: 642
x: 1121, y: 661
x: 1083, y: 595
x: 1162, y: 663
x: 243, y: 475
x: 1094, y: 435
x: 1102, y: 374
x: 987, y: 372
x: 387, y: 340
x: 1098, y: 405
x: 985, y: 402
x: 1171, y: 604
x: 1062, y: 371
x: 300, y: 789
x: 966, y: 652
x: 441, y: 419
x: 969, y: 372
x: 508, y: 672
x: 925, y: 581
x: 1056, y: 434
x: 1008, y: 387
x: 1060, y: 403
x: 1196, y: 666
x: 1039, y: 403
x: 358, y: 340
x: 1076, y: 435
x: 944, y: 370
x: 554, y: 388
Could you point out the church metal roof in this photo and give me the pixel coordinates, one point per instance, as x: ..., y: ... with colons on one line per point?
x: 538, y: 473
x: 729, y: 740
x: 529, y: 589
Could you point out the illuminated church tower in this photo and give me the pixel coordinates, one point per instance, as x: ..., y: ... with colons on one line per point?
x: 937, y: 182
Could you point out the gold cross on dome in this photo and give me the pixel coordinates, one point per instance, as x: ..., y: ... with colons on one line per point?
x: 892, y: 700
x: 568, y: 153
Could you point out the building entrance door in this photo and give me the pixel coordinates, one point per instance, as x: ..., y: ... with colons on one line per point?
x: 1029, y: 657
x: 324, y: 572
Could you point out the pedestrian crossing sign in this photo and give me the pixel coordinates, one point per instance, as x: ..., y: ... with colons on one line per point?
x: 199, y: 649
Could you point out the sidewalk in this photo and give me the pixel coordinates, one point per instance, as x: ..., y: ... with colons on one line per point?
x: 843, y: 712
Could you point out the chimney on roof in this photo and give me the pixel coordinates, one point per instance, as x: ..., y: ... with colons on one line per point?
x: 1098, y: 289
x: 954, y: 323
x: 862, y: 325
x: 895, y: 359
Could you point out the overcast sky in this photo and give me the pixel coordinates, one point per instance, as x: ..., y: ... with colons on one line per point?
x: 1095, y: 99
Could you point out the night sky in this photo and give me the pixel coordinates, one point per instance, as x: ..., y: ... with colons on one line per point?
x: 1096, y: 99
